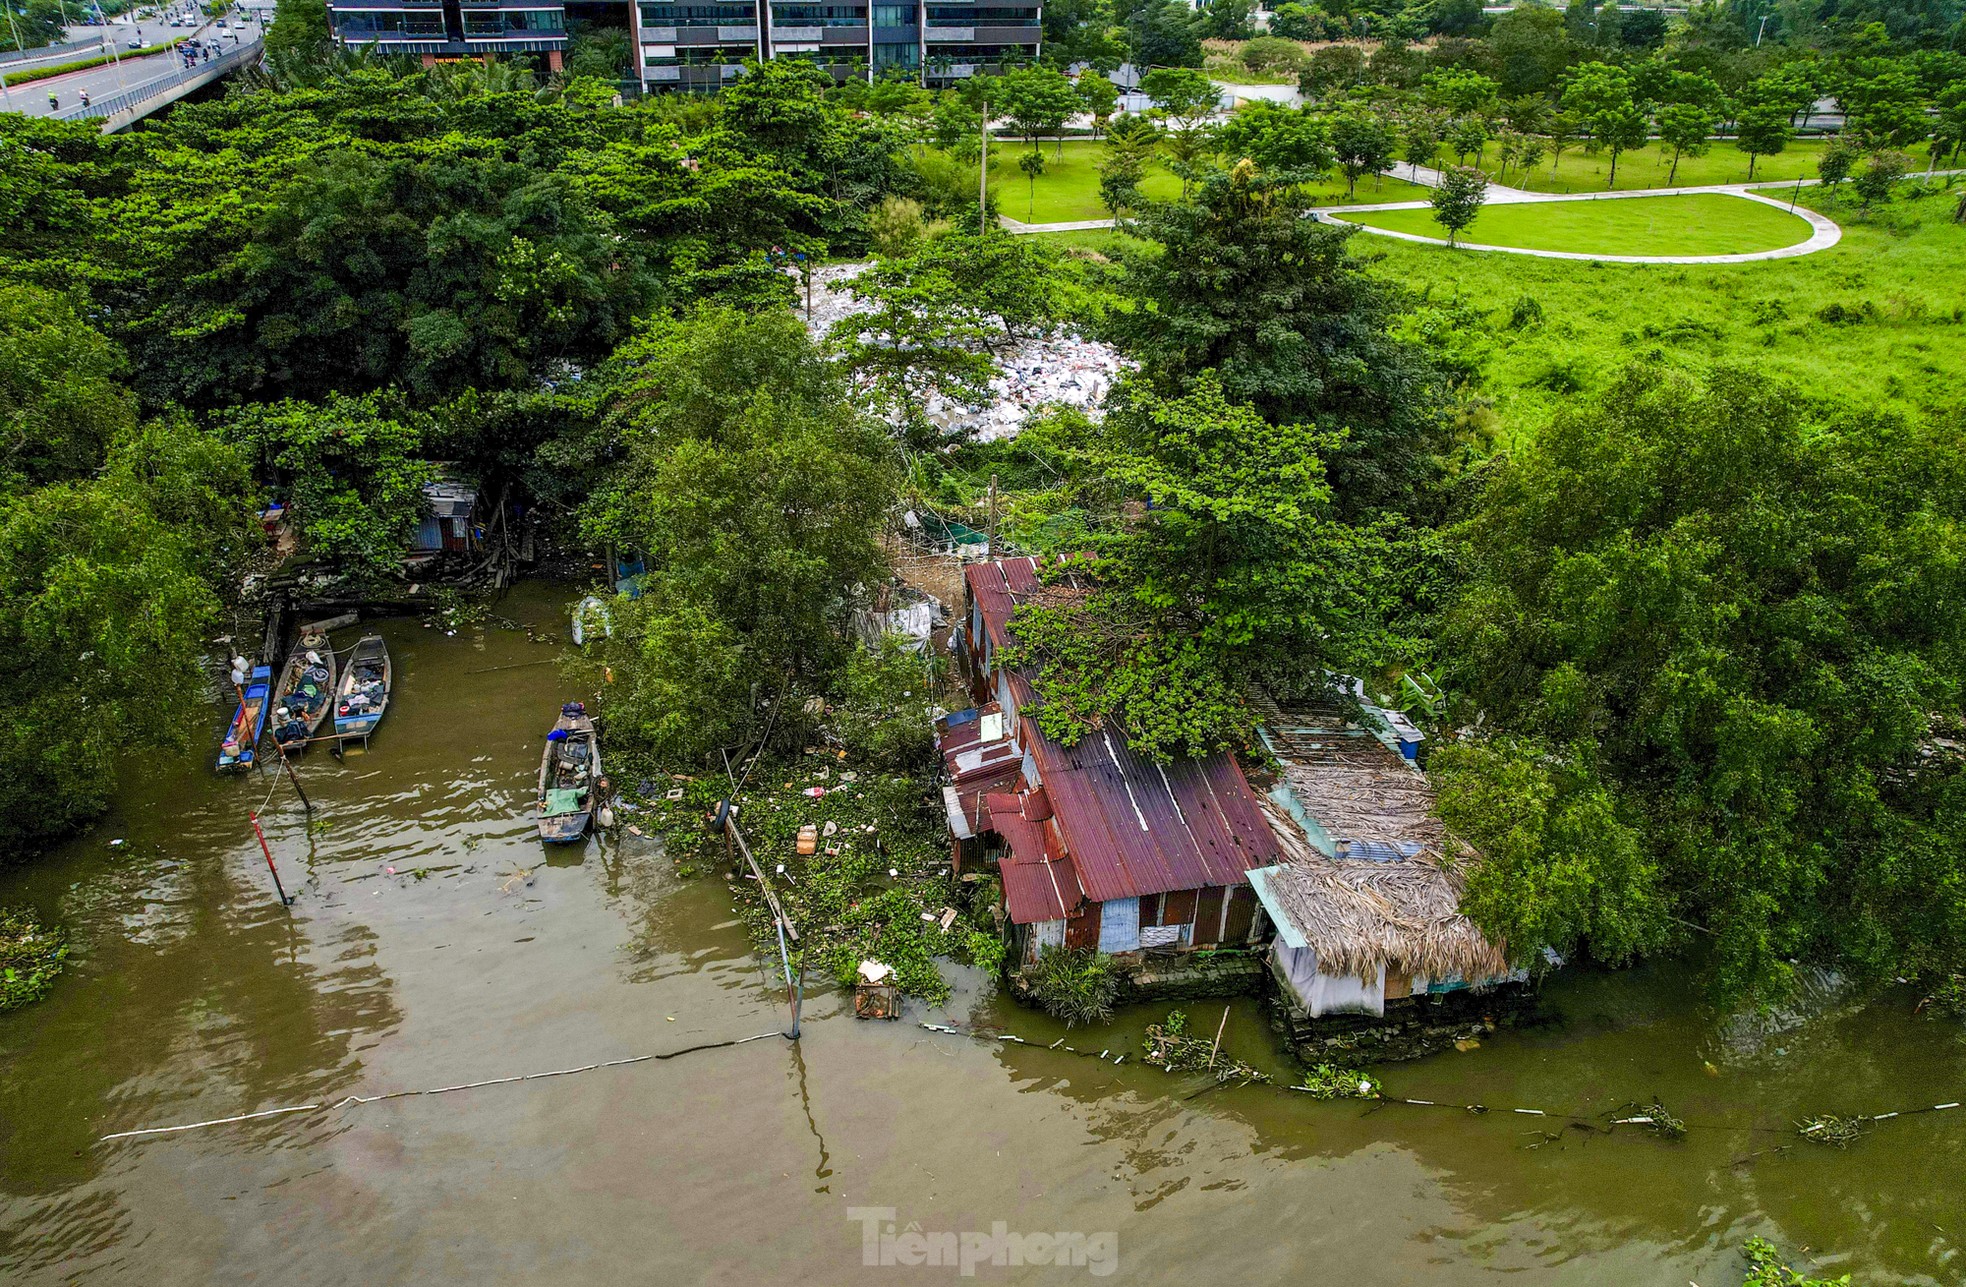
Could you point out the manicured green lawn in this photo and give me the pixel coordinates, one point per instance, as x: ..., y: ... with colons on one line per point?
x: 1068, y: 190
x: 1877, y: 321
x: 1648, y: 167
x: 1701, y: 224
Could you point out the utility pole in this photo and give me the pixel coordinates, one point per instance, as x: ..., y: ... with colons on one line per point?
x: 1762, y: 28
x: 990, y: 530
x: 983, y: 178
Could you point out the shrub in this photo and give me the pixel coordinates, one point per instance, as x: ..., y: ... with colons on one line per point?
x: 1767, y: 1269
x: 1077, y: 985
x: 882, y: 706
x: 1273, y: 54
x: 1528, y: 311
x: 31, y: 956
x: 895, y: 226
x: 33, y: 74
x: 1329, y: 1081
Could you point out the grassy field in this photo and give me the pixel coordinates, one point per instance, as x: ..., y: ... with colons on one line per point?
x: 1879, y: 320
x: 1703, y: 224
x: 1068, y: 190
x: 1647, y: 167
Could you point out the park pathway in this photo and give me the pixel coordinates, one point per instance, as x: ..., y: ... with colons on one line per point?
x: 1823, y: 234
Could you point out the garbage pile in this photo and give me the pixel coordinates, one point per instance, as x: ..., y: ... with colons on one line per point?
x: 1055, y: 370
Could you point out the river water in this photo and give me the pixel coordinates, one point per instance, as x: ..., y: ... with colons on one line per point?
x: 193, y: 995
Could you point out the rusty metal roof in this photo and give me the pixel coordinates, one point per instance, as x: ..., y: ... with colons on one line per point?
x: 1134, y: 827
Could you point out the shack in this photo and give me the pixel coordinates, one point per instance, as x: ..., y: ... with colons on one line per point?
x: 449, y: 520
x: 1373, y: 958
x: 1095, y: 845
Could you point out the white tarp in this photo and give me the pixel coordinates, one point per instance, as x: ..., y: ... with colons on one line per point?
x: 1321, y: 993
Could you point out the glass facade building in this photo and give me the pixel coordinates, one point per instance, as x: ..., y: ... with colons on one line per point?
x: 441, y: 29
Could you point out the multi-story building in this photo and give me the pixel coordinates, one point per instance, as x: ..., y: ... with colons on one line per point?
x: 440, y: 29
x: 699, y: 46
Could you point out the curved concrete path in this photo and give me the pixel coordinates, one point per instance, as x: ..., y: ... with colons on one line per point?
x: 1824, y: 231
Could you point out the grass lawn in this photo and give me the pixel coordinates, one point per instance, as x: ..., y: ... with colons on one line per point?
x: 1068, y: 190
x: 1703, y: 224
x: 1647, y: 167
x: 1878, y: 320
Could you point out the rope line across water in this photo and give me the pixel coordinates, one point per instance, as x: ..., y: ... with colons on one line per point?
x: 357, y: 1100
x: 1637, y: 1118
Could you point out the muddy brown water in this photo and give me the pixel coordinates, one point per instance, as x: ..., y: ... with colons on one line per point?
x: 193, y: 995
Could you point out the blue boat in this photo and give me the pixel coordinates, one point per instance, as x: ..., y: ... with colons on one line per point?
x: 242, y: 735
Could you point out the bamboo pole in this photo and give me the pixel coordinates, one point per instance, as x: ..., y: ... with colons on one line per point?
x: 1217, y: 1047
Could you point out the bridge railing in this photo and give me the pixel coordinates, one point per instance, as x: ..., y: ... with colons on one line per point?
x: 110, y: 104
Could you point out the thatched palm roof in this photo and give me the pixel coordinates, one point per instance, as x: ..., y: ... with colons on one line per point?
x: 1356, y: 913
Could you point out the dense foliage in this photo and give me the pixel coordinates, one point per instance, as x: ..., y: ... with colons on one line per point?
x: 755, y: 490
x: 1722, y: 630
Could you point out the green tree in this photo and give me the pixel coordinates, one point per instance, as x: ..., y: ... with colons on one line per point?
x: 299, y: 30
x: 1294, y: 21
x: 1531, y: 49
x: 113, y: 537
x: 1601, y: 97
x: 1032, y: 164
x: 1836, y: 161
x: 61, y: 400
x: 1684, y: 127
x: 352, y: 469
x: 1458, y: 198
x: 920, y: 337
x: 1099, y: 97
x: 1420, y: 137
x: 1281, y: 140
x: 1362, y: 144
x: 1227, y: 20
x: 1880, y: 176
x: 33, y: 24
x: 1720, y: 616
x: 1184, y: 99
x: 1761, y: 131
x: 1120, y: 172
x: 1460, y: 91
x: 1240, y: 564
x: 1036, y: 100
x: 1162, y: 33
x: 1244, y: 285
x: 756, y: 493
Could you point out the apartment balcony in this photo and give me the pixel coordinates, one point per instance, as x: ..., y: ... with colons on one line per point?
x: 948, y: 34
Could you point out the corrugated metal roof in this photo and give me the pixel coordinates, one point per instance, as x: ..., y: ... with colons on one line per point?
x: 1135, y: 827
x: 1039, y: 891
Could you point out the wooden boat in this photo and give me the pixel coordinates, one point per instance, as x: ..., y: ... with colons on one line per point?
x: 242, y: 734
x: 569, y: 777
x: 305, y: 694
x: 364, y: 695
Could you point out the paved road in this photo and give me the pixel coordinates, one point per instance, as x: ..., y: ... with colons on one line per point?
x: 116, y: 77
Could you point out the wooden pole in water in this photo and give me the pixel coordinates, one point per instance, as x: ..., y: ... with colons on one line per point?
x: 294, y: 778
x: 278, y: 887
x: 1212, y: 1050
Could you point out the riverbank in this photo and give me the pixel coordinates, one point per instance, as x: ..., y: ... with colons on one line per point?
x: 191, y: 994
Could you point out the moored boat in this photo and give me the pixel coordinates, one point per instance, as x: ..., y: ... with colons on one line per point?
x: 242, y: 734
x: 306, y: 691
x: 364, y: 694
x: 569, y: 777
